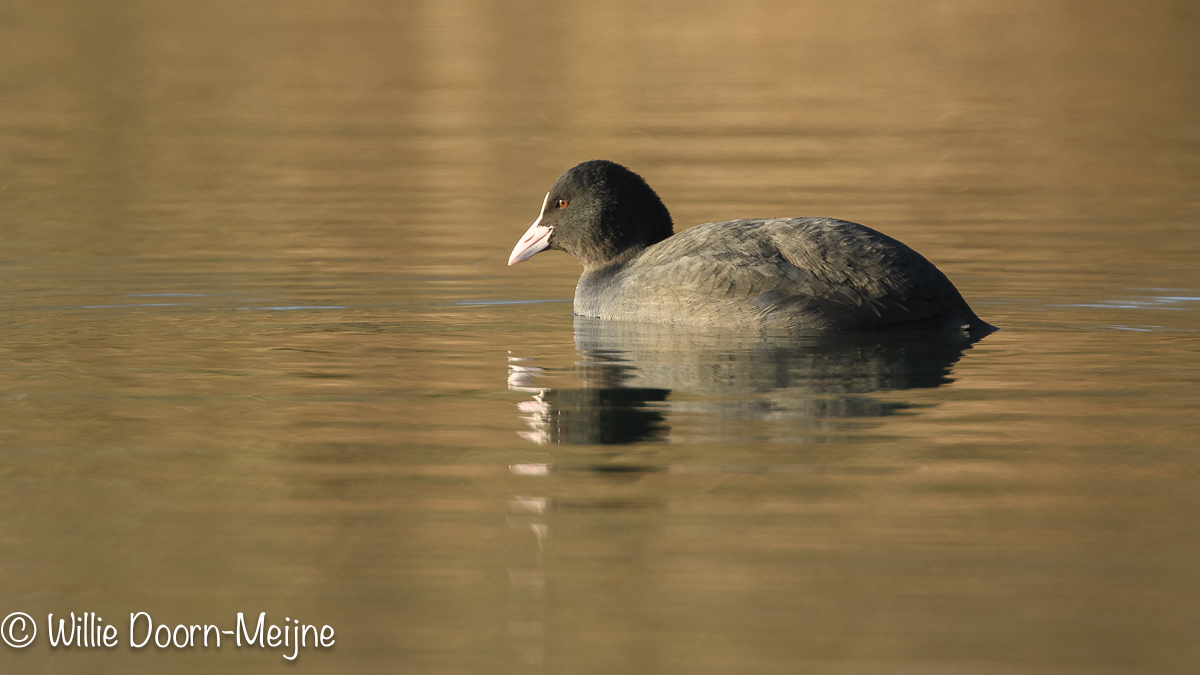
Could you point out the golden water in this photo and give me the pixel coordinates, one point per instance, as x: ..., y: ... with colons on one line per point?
x: 260, y: 352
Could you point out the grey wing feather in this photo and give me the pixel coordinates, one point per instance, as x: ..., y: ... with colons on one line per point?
x: 807, y: 273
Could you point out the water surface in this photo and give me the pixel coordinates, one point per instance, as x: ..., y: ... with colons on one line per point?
x: 259, y: 349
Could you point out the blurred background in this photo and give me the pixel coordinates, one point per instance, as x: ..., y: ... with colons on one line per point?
x: 260, y: 350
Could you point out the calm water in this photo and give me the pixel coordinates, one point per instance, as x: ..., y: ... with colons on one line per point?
x: 260, y: 351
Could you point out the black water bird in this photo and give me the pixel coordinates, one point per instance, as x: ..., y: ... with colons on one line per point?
x: 812, y: 275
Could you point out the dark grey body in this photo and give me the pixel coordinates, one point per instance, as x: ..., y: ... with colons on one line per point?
x: 813, y: 275
x: 803, y: 274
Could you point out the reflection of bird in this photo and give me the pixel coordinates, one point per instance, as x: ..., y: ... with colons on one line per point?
x: 800, y: 274
x: 728, y: 361
x: 602, y: 416
x: 643, y: 381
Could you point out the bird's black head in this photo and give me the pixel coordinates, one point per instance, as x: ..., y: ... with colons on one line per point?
x: 600, y: 212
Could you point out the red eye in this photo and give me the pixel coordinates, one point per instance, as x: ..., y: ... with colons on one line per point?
x: 562, y: 203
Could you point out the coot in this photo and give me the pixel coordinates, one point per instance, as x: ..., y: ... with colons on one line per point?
x: 816, y: 275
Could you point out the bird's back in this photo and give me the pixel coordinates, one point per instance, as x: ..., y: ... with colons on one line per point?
x: 805, y: 274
